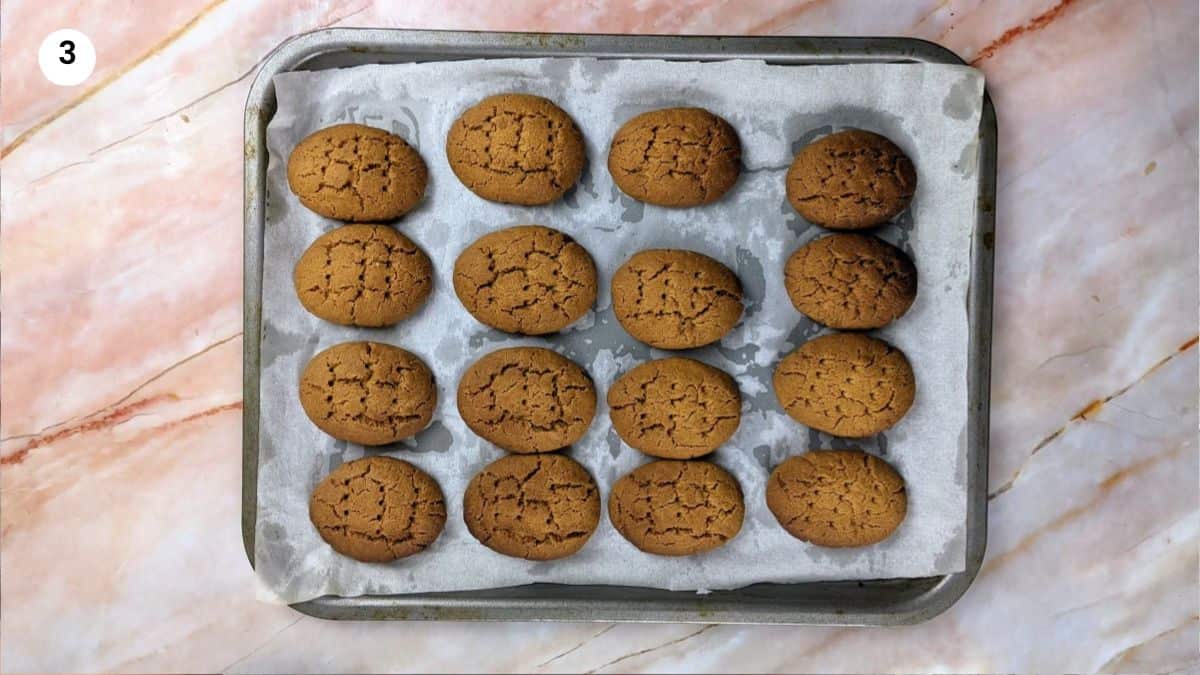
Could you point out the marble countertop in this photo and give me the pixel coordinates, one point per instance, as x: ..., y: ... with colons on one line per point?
x: 120, y: 250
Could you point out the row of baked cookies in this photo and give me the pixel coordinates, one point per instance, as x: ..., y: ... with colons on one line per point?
x: 547, y: 506
x: 529, y: 280
x: 523, y: 149
x: 514, y: 149
x: 525, y: 400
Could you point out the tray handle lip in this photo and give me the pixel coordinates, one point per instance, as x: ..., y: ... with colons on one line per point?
x: 303, y: 46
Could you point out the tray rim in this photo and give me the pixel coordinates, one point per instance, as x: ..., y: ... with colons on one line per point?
x: 682, y: 607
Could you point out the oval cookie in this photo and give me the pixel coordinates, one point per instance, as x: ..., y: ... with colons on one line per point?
x: 851, y: 180
x: 673, y: 299
x: 527, y: 279
x: 363, y: 275
x: 837, y: 498
x: 527, y: 399
x: 357, y: 173
x: 675, y: 157
x: 378, y: 509
x: 675, y: 408
x: 845, y: 384
x: 537, y: 507
x: 677, y: 508
x: 516, y: 149
x: 368, y: 392
x: 850, y: 281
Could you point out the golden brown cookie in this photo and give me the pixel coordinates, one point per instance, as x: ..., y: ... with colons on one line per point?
x: 357, y: 173
x: 674, y: 299
x: 516, y: 149
x: 378, y: 509
x: 846, y: 384
x: 527, y: 279
x: 675, y: 408
x: 368, y: 392
x: 677, y: 508
x: 537, y: 507
x: 837, y: 498
x: 527, y: 399
x: 363, y: 275
x: 850, y: 281
x: 675, y: 157
x: 851, y: 180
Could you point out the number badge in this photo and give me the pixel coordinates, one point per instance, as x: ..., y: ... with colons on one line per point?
x: 67, y: 57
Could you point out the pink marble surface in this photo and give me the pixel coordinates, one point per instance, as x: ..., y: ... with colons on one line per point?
x: 120, y: 250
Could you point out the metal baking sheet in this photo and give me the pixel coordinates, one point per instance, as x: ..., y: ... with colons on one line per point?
x: 794, y: 603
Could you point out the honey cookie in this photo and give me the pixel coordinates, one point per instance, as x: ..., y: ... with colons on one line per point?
x: 527, y: 399
x: 850, y: 281
x: 675, y: 157
x: 368, y: 392
x: 837, y: 498
x: 677, y: 508
x: 516, y: 149
x: 675, y: 408
x: 363, y: 275
x: 674, y: 299
x: 851, y: 180
x: 378, y: 509
x: 537, y: 507
x: 357, y: 173
x: 527, y: 279
x: 845, y: 384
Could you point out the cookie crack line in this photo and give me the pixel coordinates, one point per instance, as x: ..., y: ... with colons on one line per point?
x: 528, y: 279
x: 676, y: 299
x: 357, y: 173
x: 377, y: 509
x: 516, y: 148
x: 850, y: 281
x: 846, y: 384
x: 675, y: 405
x: 527, y: 399
x: 363, y: 275
x: 369, y: 393
x: 675, y: 157
x: 537, y: 507
x: 837, y: 497
x: 677, y: 507
x: 850, y: 180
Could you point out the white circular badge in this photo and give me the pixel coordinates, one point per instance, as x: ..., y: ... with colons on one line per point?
x: 67, y: 57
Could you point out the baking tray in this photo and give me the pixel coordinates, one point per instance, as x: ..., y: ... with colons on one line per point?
x: 876, y: 602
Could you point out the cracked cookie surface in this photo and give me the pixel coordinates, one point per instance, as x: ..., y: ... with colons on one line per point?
x: 675, y: 408
x: 527, y: 399
x: 368, y: 392
x: 837, y: 498
x: 851, y: 180
x: 845, y: 384
x: 378, y: 509
x: 516, y: 149
x: 357, y: 173
x: 677, y: 508
x: 527, y: 279
x: 537, y: 507
x: 675, y: 299
x: 850, y: 281
x: 675, y: 157
x: 363, y: 275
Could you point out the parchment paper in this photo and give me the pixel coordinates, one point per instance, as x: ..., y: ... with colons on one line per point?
x: 931, y: 111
